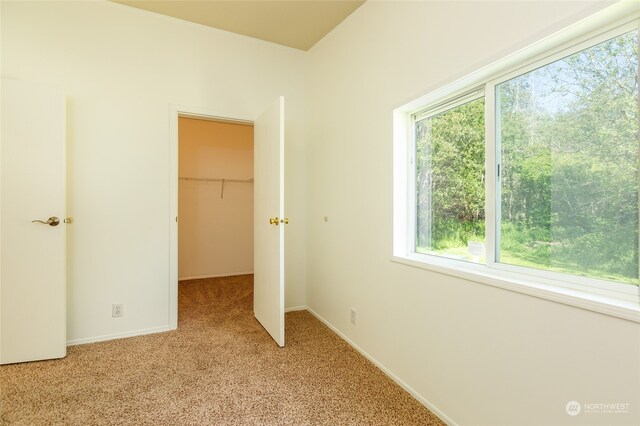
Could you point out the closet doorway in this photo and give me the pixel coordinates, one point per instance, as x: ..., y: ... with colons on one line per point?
x: 269, y: 216
x: 215, y: 198
x: 215, y: 204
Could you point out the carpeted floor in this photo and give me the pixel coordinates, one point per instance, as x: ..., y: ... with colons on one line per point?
x: 220, y: 367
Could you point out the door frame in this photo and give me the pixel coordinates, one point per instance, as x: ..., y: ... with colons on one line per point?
x: 176, y: 111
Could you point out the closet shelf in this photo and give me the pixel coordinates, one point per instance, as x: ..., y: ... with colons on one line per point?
x: 217, y: 179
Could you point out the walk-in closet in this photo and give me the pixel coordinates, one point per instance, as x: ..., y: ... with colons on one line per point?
x: 215, y: 199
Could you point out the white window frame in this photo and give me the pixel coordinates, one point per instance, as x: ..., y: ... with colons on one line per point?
x: 620, y: 300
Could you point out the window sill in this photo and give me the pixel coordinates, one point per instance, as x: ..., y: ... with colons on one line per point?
x: 524, y: 284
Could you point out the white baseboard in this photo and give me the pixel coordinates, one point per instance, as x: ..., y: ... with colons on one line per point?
x: 386, y: 371
x: 296, y: 308
x: 142, y: 332
x: 229, y: 274
x: 114, y: 336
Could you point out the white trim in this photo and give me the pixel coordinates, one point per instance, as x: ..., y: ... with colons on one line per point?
x: 202, y: 113
x: 492, y: 184
x: 536, y: 287
x: 201, y: 277
x: 123, y: 335
x: 281, y: 195
x: 442, y: 416
x: 403, y: 230
x: 215, y: 119
x: 296, y: 308
x: 451, y: 103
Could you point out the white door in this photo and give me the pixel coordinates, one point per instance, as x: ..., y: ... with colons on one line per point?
x: 269, y: 221
x: 32, y: 254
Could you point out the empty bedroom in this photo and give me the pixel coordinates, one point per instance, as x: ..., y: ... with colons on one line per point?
x: 320, y: 212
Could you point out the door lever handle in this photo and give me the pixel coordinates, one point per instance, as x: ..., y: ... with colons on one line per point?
x: 52, y: 221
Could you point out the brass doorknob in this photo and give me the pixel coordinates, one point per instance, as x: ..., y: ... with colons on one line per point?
x: 274, y: 221
x: 285, y: 221
x: 52, y: 221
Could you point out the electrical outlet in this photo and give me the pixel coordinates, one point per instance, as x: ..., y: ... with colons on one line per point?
x: 353, y: 316
x: 117, y: 310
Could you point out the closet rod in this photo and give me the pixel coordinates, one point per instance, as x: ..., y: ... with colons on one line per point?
x: 217, y: 179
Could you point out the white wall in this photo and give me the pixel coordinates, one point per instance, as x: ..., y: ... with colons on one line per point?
x: 215, y: 230
x: 121, y: 69
x: 481, y: 355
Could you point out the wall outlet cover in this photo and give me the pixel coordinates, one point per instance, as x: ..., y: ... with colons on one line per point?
x: 117, y: 310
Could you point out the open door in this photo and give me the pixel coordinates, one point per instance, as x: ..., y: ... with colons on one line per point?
x: 32, y: 254
x: 269, y: 220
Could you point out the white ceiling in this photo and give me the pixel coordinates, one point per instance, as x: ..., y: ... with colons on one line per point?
x: 294, y: 23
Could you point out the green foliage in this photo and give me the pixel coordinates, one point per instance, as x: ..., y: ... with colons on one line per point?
x: 570, y: 161
x: 450, y: 173
x: 449, y: 233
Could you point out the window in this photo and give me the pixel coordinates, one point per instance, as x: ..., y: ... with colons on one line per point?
x: 567, y: 135
x: 449, y: 143
x: 528, y: 170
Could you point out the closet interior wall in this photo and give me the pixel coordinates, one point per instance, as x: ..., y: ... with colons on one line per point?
x: 215, y: 198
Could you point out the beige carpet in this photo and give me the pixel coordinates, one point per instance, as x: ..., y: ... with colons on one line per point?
x: 219, y: 367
